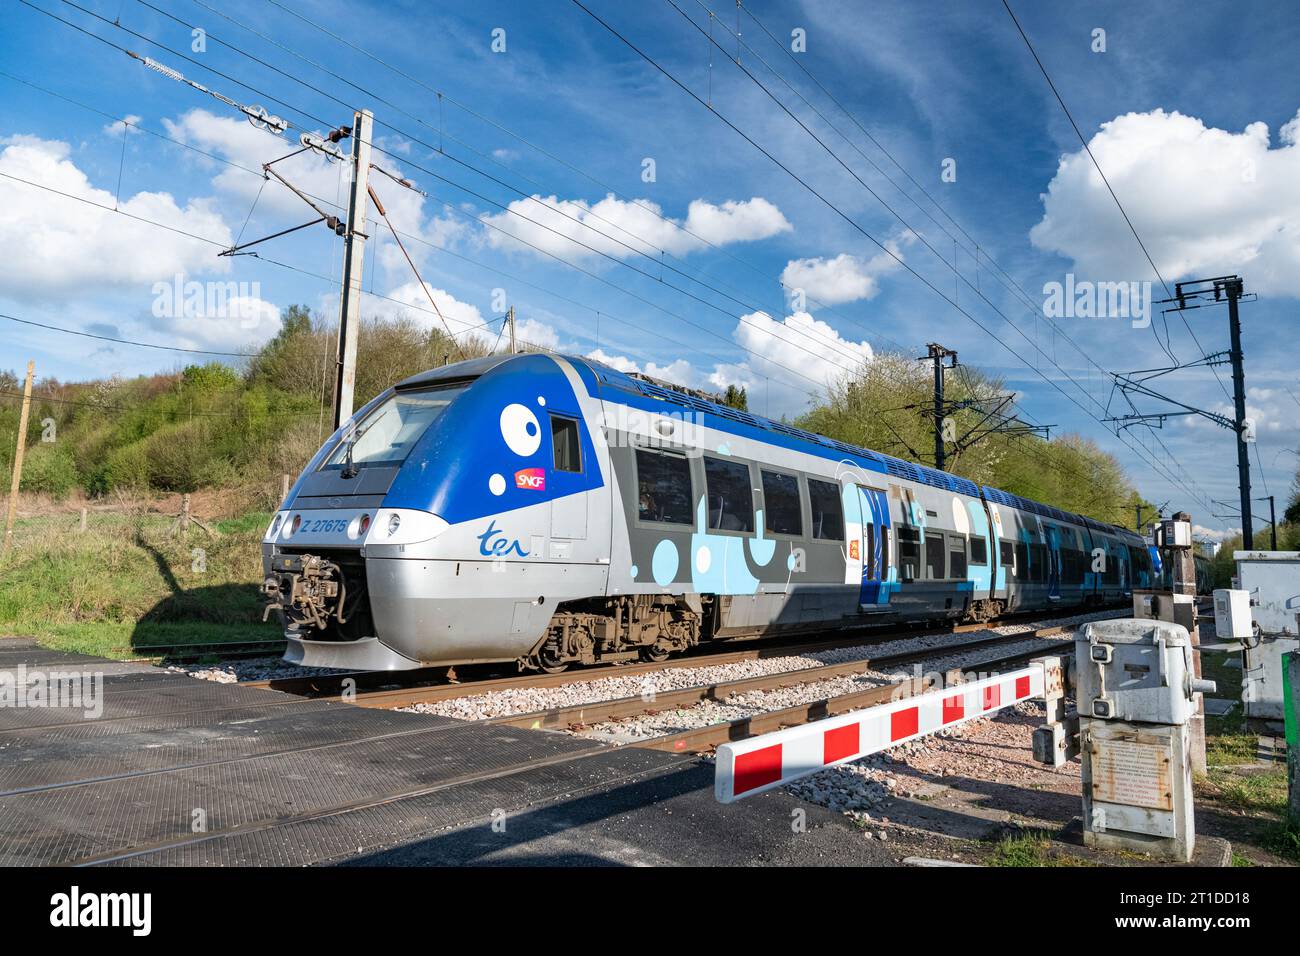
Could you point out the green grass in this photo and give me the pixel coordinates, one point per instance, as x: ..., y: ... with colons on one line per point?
x: 1283, y: 838
x: 127, y: 584
x: 253, y: 521
x: 1033, y: 848
x: 1264, y: 791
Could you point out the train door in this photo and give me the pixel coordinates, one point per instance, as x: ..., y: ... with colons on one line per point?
x: 873, y: 507
x: 1053, y: 535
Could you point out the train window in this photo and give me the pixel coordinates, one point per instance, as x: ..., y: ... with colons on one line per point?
x: 827, y: 510
x: 979, y: 551
x: 782, y: 513
x: 731, y: 495
x: 564, y: 441
x: 957, y: 557
x: 1022, y: 560
x: 909, y: 553
x: 663, y: 487
x: 1007, y: 555
x: 1038, y: 562
x: 935, y: 568
x: 388, y: 433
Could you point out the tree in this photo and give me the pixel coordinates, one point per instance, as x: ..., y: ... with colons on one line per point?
x: 736, y: 397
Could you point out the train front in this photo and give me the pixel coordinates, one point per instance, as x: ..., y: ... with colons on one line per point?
x: 423, y: 531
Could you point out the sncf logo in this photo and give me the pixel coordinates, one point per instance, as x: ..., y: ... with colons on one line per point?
x: 533, y: 479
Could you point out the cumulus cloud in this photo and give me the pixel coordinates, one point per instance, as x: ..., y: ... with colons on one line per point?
x: 843, y: 278
x: 68, y: 249
x: 566, y: 227
x: 788, y: 363
x: 412, y: 303
x: 1205, y: 200
x: 1220, y: 535
x: 680, y: 372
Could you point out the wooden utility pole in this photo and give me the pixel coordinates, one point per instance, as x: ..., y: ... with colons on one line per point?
x: 510, y: 321
x: 18, y: 459
x: 354, y: 248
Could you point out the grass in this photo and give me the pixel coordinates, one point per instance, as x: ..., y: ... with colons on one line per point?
x: 1032, y: 848
x: 127, y: 584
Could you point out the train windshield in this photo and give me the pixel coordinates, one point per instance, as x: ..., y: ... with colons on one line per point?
x: 387, y: 435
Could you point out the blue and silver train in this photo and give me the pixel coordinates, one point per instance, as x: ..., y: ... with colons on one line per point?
x: 551, y: 511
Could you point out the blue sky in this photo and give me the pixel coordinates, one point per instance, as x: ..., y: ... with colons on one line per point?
x: 1187, y: 116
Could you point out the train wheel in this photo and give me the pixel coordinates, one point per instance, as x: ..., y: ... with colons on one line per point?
x: 654, y: 654
x: 548, y: 663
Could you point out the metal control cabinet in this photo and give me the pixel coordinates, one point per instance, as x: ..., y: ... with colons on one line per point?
x: 1272, y: 581
x: 1232, y: 620
x: 1136, y: 696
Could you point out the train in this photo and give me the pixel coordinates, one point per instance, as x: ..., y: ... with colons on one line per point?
x: 547, y: 510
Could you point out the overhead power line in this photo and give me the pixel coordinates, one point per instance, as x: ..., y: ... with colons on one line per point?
x: 1100, y: 172
x: 834, y: 208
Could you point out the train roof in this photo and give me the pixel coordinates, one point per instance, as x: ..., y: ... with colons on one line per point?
x: 898, y: 467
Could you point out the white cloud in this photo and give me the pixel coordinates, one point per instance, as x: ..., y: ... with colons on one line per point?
x: 412, y: 303
x: 844, y: 278
x: 130, y: 122
x: 60, y: 248
x: 565, y: 227
x: 1213, y: 534
x: 789, y: 363
x: 680, y: 372
x: 1206, y: 201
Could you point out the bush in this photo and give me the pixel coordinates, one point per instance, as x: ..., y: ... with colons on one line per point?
x: 49, y: 469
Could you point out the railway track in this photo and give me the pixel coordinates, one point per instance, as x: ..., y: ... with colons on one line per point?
x: 222, y: 650
x: 706, y: 738
x: 429, y: 685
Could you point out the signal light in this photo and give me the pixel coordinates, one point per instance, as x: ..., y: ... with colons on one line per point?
x: 297, y: 523
x: 365, y: 523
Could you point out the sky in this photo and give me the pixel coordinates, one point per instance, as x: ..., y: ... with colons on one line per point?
x: 764, y: 196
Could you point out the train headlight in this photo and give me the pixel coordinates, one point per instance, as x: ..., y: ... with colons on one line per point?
x: 365, y: 524
x: 297, y: 523
x: 275, y: 525
x: 394, y: 522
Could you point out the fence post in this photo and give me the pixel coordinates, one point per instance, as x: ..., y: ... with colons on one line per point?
x: 18, y: 460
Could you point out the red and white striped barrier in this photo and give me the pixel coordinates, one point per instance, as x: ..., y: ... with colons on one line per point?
x: 746, y: 767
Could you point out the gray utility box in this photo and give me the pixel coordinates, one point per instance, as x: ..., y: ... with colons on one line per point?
x: 1272, y: 579
x: 1135, y: 670
x: 1136, y: 695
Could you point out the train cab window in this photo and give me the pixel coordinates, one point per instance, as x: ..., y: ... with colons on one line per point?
x: 979, y: 551
x: 909, y: 553
x: 782, y: 513
x: 663, y: 487
x: 564, y: 442
x: 1007, y: 555
x: 957, y: 557
x: 731, y: 495
x: 827, y: 510
x: 935, y: 562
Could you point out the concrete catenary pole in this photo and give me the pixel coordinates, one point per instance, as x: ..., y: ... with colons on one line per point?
x: 12, y: 512
x: 354, y: 248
